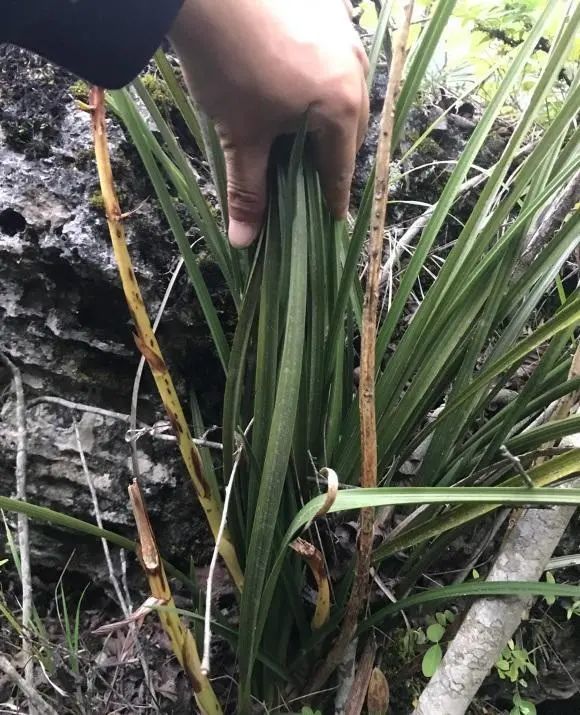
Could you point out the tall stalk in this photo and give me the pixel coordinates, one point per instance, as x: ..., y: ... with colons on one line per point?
x: 368, y: 424
x: 147, y: 342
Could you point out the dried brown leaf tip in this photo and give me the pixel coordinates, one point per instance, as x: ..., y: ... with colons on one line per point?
x: 315, y: 561
x: 149, y: 553
x: 136, y: 617
x: 378, y: 694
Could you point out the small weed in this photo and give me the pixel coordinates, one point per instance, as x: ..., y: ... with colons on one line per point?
x: 434, y: 634
x: 514, y: 663
x: 158, y: 90
x: 96, y: 201
x: 79, y: 90
x: 521, y: 706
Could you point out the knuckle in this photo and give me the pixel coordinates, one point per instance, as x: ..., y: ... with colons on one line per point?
x: 347, y: 100
x: 362, y: 58
x: 243, y: 202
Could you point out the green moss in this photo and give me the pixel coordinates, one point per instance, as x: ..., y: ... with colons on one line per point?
x: 79, y: 90
x: 158, y: 90
x: 96, y: 201
x: 84, y: 156
x: 215, y: 211
x: 430, y: 146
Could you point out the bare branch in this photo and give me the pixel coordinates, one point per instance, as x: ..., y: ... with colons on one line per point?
x: 205, y: 661
x: 157, y: 430
x: 490, y: 623
x: 549, y: 222
x: 34, y: 697
x: 99, y: 520
x: 361, y: 585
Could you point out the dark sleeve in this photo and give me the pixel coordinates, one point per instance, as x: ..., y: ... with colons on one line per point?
x: 106, y: 42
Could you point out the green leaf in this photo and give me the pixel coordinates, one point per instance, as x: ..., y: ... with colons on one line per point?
x: 422, y: 55
x: 564, y: 465
x: 42, y: 513
x: 527, y: 707
x: 431, y: 660
x: 550, y: 579
x: 358, y: 498
x: 435, y: 632
x: 277, y: 454
x: 180, y: 98
x: 145, y: 142
x: 441, y: 619
x: 380, y: 32
x: 471, y: 589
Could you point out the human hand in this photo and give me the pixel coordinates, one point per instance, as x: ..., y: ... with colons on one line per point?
x: 257, y: 67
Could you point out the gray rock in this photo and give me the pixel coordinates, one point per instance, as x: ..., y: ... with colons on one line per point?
x: 64, y: 322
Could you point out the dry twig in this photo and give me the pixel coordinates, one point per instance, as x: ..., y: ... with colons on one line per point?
x: 147, y: 342
x: 23, y: 531
x: 123, y: 602
x: 415, y: 229
x: 543, y: 230
x: 99, y: 520
x: 360, y: 589
x: 35, y: 699
x: 156, y: 430
x: 205, y: 664
x: 360, y: 686
x: 182, y: 640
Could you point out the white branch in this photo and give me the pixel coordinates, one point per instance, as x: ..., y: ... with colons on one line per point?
x: 205, y: 661
x: 34, y: 697
x: 491, y: 622
x: 415, y: 229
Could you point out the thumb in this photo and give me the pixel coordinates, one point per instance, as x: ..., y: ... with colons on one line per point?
x: 246, y: 167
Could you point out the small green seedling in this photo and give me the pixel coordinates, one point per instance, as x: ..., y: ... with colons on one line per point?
x: 413, y: 638
x: 434, y: 634
x: 514, y: 663
x: 573, y: 610
x: 522, y: 707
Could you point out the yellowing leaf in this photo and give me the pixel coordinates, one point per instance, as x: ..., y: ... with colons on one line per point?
x: 368, y: 18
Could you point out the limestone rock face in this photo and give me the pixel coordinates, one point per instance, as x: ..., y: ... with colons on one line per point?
x: 64, y: 323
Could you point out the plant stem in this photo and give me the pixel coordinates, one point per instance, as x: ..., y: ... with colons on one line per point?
x: 182, y: 641
x: 368, y: 427
x: 205, y: 661
x: 147, y: 342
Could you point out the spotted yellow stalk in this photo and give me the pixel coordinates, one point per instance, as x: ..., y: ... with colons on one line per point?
x: 182, y: 641
x: 147, y: 342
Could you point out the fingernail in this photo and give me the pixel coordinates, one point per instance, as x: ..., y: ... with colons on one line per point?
x: 241, y: 234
